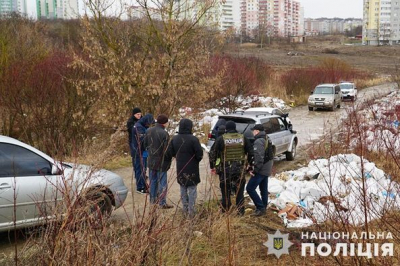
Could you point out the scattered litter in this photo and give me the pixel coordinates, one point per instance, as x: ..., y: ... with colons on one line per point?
x: 332, y: 189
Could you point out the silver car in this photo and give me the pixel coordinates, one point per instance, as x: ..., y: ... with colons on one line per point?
x: 278, y: 127
x: 32, y: 183
x: 325, y: 96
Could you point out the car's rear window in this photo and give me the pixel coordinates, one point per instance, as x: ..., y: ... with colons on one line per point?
x: 243, y: 125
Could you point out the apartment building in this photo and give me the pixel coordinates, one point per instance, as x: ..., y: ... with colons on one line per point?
x: 57, y: 9
x: 381, y: 23
x: 329, y: 26
x: 9, y: 6
x: 281, y: 18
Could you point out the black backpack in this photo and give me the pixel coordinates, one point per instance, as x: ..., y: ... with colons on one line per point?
x: 269, y: 150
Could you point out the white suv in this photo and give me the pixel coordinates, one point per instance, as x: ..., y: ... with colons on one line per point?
x: 277, y: 126
x: 349, y: 91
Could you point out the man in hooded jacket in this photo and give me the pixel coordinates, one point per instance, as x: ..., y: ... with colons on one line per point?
x: 188, y: 152
x: 227, y: 159
x: 139, y: 152
x: 262, y: 169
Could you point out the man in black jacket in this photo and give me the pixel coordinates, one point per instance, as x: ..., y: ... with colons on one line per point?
x: 228, y: 160
x: 159, y: 161
x: 136, y: 115
x: 262, y: 169
x: 188, y: 152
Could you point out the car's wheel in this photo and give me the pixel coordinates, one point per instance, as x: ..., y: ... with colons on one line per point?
x: 291, y: 154
x: 310, y: 108
x: 98, y: 206
x: 338, y: 106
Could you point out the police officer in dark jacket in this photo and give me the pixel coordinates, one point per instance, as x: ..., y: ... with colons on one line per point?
x: 262, y: 169
x: 156, y: 142
x: 188, y: 152
x: 228, y: 160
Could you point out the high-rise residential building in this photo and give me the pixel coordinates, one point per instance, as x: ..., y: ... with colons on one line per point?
x: 381, y: 23
x: 9, y: 6
x: 229, y: 17
x: 281, y: 18
x: 53, y: 9
x: 330, y: 26
x: 249, y: 16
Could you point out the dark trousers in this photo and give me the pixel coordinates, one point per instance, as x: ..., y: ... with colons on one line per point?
x: 139, y: 166
x: 227, y: 183
x: 262, y: 182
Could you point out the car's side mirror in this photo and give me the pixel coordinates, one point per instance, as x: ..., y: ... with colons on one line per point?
x: 311, y: 92
x: 55, y: 170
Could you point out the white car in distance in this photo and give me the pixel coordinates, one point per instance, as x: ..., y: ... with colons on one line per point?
x: 349, y: 91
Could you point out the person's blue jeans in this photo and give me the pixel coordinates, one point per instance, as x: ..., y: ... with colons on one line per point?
x: 139, y: 166
x: 254, y: 182
x: 188, y: 197
x: 158, y: 187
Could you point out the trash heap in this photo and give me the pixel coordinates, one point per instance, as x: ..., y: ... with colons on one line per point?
x: 382, y: 120
x: 210, y: 116
x: 333, y: 189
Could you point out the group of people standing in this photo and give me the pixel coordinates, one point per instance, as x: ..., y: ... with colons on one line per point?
x: 151, y: 148
x: 231, y: 157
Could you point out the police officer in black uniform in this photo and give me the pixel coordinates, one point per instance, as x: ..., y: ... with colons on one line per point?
x: 228, y: 158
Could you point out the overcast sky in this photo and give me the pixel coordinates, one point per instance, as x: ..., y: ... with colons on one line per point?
x: 332, y: 8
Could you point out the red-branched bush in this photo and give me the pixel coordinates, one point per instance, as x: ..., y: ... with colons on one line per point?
x: 241, y: 76
x: 39, y: 104
x: 301, y: 81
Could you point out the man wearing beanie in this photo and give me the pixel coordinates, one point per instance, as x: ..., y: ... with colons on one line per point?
x: 156, y: 142
x: 139, y: 153
x: 228, y: 160
x: 136, y: 115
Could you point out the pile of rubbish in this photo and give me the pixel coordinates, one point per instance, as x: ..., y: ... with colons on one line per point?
x: 382, y: 121
x: 210, y: 116
x: 342, y: 188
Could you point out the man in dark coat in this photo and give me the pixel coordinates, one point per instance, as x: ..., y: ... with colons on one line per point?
x: 136, y: 115
x: 188, y: 152
x: 156, y: 142
x: 228, y: 160
x: 139, y: 153
x: 262, y: 169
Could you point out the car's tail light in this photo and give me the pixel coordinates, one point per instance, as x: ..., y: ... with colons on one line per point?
x: 209, y: 135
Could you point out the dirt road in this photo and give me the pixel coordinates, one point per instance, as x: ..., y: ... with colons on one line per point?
x: 310, y: 126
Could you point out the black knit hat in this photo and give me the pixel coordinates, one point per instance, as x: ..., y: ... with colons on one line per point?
x: 258, y: 127
x: 136, y: 110
x: 162, y: 119
x: 230, y: 125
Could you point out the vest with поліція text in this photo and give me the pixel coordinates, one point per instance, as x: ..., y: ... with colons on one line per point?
x: 234, y: 147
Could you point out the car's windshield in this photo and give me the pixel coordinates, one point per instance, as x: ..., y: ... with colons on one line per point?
x: 323, y: 90
x: 346, y: 86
